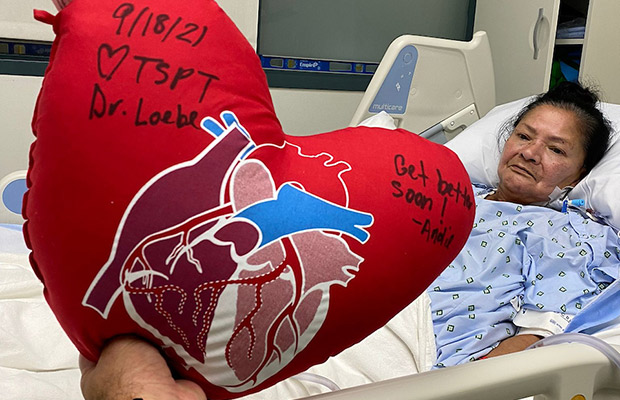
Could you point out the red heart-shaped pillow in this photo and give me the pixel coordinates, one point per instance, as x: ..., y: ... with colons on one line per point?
x: 165, y: 201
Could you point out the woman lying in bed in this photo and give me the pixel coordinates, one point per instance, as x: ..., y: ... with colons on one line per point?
x: 528, y: 270
x: 523, y: 274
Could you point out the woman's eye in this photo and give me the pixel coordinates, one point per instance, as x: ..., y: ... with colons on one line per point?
x: 522, y: 136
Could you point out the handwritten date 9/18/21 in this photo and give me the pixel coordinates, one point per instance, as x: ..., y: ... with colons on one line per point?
x: 132, y: 21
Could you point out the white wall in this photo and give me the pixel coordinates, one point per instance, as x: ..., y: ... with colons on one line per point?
x: 300, y: 111
x: 16, y: 20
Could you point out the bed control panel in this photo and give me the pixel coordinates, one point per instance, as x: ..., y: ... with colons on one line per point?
x: 394, y: 92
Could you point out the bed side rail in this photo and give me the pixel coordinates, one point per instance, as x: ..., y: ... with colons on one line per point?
x: 559, y: 372
x: 425, y: 83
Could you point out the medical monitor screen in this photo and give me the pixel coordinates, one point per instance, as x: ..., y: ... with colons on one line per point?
x: 355, y: 30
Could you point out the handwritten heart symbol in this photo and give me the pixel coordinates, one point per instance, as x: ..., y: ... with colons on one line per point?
x: 109, y: 59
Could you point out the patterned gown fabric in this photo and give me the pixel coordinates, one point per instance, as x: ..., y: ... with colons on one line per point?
x: 518, y: 258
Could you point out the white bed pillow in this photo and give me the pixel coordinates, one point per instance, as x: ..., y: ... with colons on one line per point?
x: 477, y: 147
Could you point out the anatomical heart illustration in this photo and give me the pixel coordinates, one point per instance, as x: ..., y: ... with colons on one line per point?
x: 247, y: 260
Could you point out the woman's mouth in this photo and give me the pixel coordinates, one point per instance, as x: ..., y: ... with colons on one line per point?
x: 522, y: 171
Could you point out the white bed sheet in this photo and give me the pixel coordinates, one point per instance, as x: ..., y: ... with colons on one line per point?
x: 37, y: 360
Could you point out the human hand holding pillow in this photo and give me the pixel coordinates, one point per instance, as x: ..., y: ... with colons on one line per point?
x: 130, y: 368
x: 166, y: 203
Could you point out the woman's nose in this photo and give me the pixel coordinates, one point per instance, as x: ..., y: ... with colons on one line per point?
x: 532, y: 152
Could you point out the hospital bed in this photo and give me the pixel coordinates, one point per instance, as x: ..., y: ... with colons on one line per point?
x: 441, y: 87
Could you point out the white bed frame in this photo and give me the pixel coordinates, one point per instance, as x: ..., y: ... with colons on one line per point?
x: 571, y: 371
x: 17, y: 100
x: 451, y: 86
x: 433, y: 87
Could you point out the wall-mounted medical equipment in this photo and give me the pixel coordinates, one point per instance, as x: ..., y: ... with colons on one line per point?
x: 347, y: 38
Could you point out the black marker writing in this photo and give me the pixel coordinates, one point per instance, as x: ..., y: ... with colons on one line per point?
x: 101, y: 107
x: 411, y: 196
x: 145, y: 22
x: 110, y: 59
x: 162, y: 73
x: 448, y: 189
x: 175, y: 117
x: 149, y: 69
x: 440, y: 236
x: 410, y: 170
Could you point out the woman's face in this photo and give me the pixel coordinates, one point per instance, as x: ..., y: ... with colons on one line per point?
x: 545, y: 150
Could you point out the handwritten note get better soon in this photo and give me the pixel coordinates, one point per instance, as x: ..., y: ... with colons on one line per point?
x: 406, y: 187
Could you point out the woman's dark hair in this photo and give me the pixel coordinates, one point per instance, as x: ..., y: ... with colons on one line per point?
x: 583, y: 103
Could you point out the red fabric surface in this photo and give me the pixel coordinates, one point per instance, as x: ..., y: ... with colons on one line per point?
x: 247, y: 254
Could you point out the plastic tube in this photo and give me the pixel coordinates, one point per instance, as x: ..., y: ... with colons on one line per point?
x: 315, y: 378
x: 598, y: 344
x: 574, y: 203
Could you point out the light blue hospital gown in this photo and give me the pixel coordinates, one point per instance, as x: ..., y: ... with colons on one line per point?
x: 517, y: 257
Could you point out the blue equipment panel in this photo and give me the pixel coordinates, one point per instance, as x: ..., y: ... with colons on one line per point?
x: 393, y: 94
x: 298, y: 64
